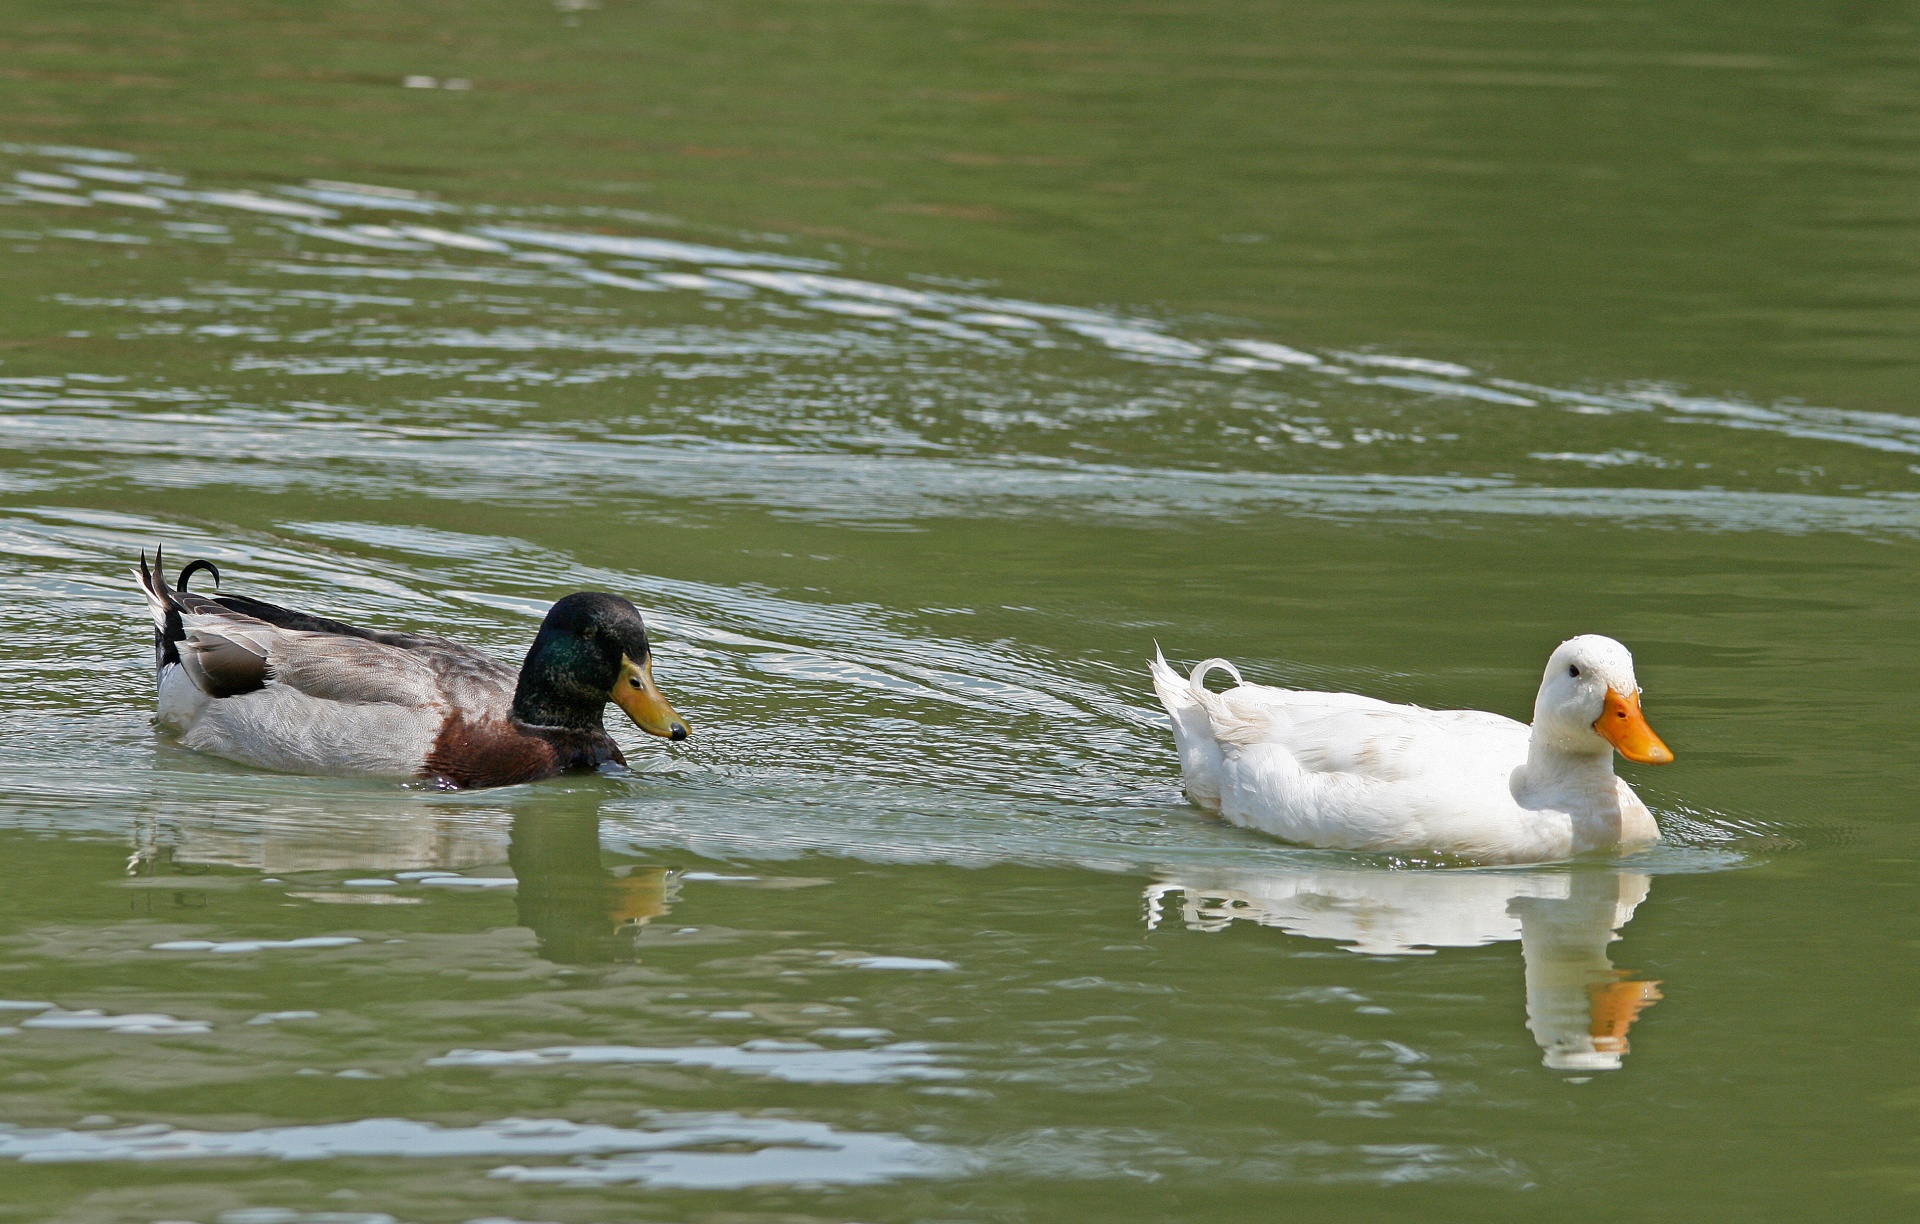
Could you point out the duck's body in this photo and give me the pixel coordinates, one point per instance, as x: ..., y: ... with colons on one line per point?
x: 1348, y: 772
x: 264, y: 685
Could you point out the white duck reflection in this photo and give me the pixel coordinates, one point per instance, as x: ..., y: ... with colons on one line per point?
x: 1579, y: 1007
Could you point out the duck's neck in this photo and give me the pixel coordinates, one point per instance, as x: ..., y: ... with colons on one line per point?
x: 541, y: 707
x: 562, y: 685
x: 1563, y: 771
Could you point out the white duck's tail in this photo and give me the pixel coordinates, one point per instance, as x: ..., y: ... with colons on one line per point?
x: 1187, y: 704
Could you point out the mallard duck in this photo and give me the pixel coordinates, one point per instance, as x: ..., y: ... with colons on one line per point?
x: 253, y: 682
x: 1348, y: 772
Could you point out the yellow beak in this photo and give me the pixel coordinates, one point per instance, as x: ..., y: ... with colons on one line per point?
x: 1623, y: 725
x: 636, y: 693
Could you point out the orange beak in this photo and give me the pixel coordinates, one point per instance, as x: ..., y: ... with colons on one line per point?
x: 1623, y: 725
x: 637, y: 694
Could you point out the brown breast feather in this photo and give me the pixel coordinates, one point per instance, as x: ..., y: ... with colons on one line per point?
x: 477, y: 752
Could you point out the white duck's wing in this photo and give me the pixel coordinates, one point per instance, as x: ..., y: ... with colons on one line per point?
x: 1350, y: 734
x: 1346, y: 734
x: 1342, y: 770
x: 1208, y: 727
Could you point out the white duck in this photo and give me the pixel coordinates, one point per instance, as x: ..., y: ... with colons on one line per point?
x: 1348, y: 772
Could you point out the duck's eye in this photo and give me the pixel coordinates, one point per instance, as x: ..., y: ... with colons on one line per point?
x: 1573, y: 669
x: 634, y: 681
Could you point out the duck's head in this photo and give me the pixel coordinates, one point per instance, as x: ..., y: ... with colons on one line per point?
x: 1589, y: 703
x: 592, y: 649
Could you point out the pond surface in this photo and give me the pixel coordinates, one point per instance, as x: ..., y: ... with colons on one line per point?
x: 917, y: 368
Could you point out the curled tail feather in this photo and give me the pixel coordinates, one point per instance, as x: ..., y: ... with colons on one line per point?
x: 1198, y: 680
x: 1231, y: 717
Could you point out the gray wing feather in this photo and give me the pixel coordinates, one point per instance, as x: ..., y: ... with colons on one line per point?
x: 353, y: 670
x: 361, y: 672
x: 227, y: 653
x: 223, y: 664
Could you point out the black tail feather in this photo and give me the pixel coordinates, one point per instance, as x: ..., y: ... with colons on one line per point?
x: 194, y: 567
x: 167, y: 638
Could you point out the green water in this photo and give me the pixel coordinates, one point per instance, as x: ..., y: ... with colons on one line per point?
x: 917, y: 367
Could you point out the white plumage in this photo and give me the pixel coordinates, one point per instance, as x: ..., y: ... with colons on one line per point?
x: 1344, y: 771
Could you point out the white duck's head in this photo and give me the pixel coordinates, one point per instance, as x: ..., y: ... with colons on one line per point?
x: 1589, y: 703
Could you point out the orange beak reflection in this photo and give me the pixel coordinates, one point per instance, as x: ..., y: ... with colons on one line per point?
x: 1614, y: 1006
x: 1623, y: 725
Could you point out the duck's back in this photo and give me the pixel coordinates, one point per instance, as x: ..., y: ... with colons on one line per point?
x: 1351, y: 734
x: 1342, y: 770
x: 346, y: 704
x: 266, y: 685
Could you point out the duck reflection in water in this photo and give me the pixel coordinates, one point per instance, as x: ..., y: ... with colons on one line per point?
x: 1579, y: 1007
x: 581, y: 912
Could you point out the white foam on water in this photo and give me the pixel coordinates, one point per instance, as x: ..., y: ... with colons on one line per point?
x: 854, y: 1033
x: 641, y: 248
x: 451, y: 238
x: 96, y: 1020
x: 35, y: 178
x: 796, y: 1062
x: 36, y: 196
x: 254, y: 945
x: 1437, y: 386
x: 131, y: 199
x: 671, y: 1151
x: 594, y: 276
x: 119, y: 174
x: 383, y: 199
x: 360, y: 235
x: 1419, y: 365
x: 903, y: 963
x: 1268, y: 350
x: 252, y: 201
